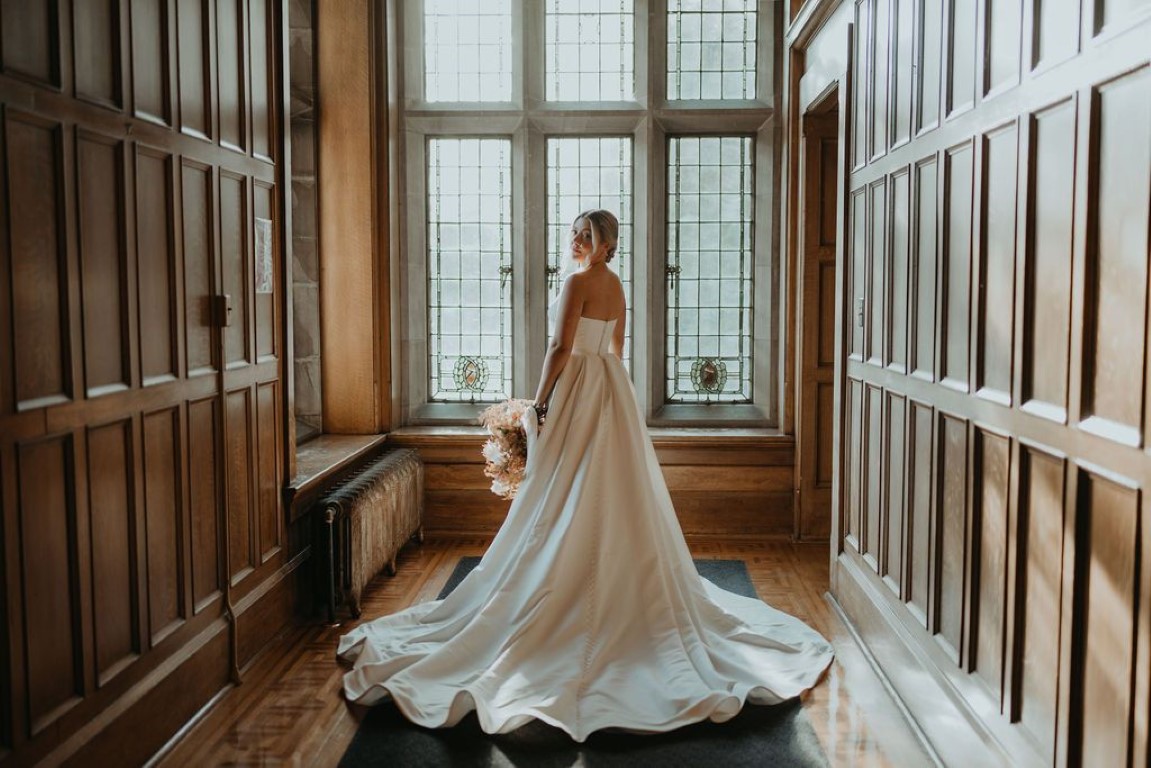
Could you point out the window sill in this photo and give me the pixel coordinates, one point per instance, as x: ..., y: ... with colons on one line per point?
x: 321, y: 459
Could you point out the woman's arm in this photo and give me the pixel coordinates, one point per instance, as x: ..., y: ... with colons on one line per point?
x: 617, y: 335
x: 559, y: 350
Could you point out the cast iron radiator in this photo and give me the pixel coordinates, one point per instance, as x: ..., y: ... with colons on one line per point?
x: 367, y: 519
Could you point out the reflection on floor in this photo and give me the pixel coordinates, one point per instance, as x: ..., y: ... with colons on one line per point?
x: 290, y: 711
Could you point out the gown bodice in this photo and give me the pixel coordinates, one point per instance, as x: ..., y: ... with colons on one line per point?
x: 593, y: 336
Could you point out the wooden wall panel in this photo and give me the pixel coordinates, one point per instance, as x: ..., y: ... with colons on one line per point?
x: 103, y: 263
x: 32, y: 48
x: 155, y: 257
x: 40, y: 321
x: 199, y: 261
x: 150, y: 52
x: 48, y: 579
x: 880, y: 61
x: 265, y: 296
x: 951, y: 535
x: 996, y: 296
x: 234, y: 256
x: 955, y: 271
x: 854, y: 487
x: 1111, y: 14
x: 872, y: 476
x: 97, y: 50
x: 1116, y: 317
x: 897, y: 301
x: 263, y: 87
x: 992, y: 490
x: 205, y: 497
x: 111, y: 506
x: 1040, y: 556
x: 826, y: 349
x: 231, y: 72
x: 858, y: 276
x: 1003, y: 54
x: 928, y: 74
x: 925, y: 265
x: 163, y: 463
x: 902, y: 70
x: 268, y: 473
x: 894, y: 492
x: 1047, y: 301
x: 1055, y: 32
x: 192, y: 19
x: 1111, y: 562
x: 238, y: 435
x: 921, y: 482
x: 860, y: 96
x: 876, y: 273
x: 961, y: 55
x: 825, y: 396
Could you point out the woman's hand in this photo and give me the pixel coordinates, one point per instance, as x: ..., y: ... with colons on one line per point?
x: 541, y: 410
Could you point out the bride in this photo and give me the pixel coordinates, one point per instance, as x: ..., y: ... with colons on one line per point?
x: 586, y: 612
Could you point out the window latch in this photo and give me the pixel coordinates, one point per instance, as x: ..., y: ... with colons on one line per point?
x: 672, y: 275
x: 505, y: 273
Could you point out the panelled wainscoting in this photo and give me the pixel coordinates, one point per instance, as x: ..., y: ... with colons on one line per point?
x: 142, y: 425
x: 994, y: 390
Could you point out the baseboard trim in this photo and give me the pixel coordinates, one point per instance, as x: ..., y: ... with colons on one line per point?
x: 954, y: 732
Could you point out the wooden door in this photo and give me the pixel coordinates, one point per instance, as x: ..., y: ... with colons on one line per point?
x: 818, y: 185
x: 141, y: 446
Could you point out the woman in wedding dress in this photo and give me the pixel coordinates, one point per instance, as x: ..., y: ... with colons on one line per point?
x: 586, y: 612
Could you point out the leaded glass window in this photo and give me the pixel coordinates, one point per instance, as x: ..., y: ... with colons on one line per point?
x: 586, y: 173
x: 469, y: 269
x: 590, y: 50
x: 468, y: 50
x: 709, y: 236
x: 711, y: 47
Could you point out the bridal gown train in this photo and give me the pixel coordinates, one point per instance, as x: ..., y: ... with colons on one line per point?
x: 586, y: 612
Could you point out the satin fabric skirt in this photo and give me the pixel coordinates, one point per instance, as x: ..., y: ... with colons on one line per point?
x: 586, y: 612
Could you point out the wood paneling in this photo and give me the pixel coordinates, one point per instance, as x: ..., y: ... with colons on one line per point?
x: 996, y: 267
x: 53, y: 675
x: 1012, y: 448
x: 992, y: 471
x: 40, y: 310
x: 155, y: 253
x: 925, y: 265
x: 204, y: 486
x: 961, y: 55
x: 103, y: 263
x: 163, y: 463
x: 894, y: 502
x: 1110, y: 557
x: 876, y: 261
x: 1115, y: 327
x: 897, y: 300
x: 97, y: 53
x: 929, y: 71
x: 1039, y: 595
x: 1002, y: 55
x: 950, y: 529
x: 150, y: 56
x: 123, y: 217
x: 32, y: 47
x: 111, y: 505
x: 1047, y: 301
x: 955, y: 271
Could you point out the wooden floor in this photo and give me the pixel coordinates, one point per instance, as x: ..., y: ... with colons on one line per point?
x: 290, y: 711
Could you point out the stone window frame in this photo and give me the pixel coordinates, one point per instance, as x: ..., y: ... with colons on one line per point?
x: 529, y: 120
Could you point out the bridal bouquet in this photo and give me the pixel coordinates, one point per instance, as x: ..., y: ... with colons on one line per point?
x: 506, y: 451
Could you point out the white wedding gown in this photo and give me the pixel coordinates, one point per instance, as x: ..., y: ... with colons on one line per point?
x: 586, y: 612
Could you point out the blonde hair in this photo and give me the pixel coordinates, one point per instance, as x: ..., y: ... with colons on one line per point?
x: 604, y: 229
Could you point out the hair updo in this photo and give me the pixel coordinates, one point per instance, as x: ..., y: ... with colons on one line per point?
x: 604, y: 229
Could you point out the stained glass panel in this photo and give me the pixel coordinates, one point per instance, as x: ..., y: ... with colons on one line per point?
x: 469, y: 269
x: 590, y: 50
x: 709, y: 269
x: 586, y: 173
x: 468, y: 50
x: 711, y: 49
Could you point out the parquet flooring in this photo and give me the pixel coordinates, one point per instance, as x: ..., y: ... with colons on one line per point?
x: 289, y: 711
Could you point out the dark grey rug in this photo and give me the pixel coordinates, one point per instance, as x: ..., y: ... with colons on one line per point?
x: 757, y: 736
